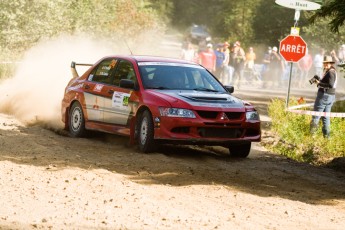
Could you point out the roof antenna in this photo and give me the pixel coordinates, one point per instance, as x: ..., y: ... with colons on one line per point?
x: 128, y: 47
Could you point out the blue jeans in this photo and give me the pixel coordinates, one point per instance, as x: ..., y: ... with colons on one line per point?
x: 323, y: 103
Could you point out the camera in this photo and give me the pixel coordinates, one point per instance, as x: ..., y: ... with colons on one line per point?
x: 314, y: 79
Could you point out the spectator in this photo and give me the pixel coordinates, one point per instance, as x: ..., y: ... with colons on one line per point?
x: 334, y: 56
x: 341, y: 54
x: 207, y: 58
x: 219, y: 61
x: 250, y: 58
x: 318, y: 62
x: 250, y: 61
x: 227, y: 69
x: 239, y: 57
x: 274, y: 68
x: 304, y: 65
x: 325, y: 96
x: 266, y: 61
x: 188, y: 53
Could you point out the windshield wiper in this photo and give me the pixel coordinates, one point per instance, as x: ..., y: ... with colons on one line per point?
x: 205, y: 89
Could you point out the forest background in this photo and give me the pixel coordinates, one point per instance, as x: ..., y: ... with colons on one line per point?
x: 257, y: 23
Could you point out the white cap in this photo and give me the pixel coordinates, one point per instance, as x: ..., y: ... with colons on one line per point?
x: 209, y: 45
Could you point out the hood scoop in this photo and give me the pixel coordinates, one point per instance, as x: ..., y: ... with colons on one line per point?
x: 206, y: 97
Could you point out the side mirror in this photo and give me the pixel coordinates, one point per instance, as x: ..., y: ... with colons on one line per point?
x: 229, y: 88
x: 128, y: 84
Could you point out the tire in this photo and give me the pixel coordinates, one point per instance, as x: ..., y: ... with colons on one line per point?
x: 240, y: 151
x: 146, y: 133
x: 76, y: 121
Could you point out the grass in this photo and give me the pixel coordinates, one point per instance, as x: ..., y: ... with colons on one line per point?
x: 295, y: 140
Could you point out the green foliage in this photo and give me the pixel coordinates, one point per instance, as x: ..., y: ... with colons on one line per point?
x: 333, y: 9
x: 323, y: 38
x: 295, y: 140
x: 227, y: 20
x: 24, y: 23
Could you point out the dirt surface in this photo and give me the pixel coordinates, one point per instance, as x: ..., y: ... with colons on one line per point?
x: 51, y: 181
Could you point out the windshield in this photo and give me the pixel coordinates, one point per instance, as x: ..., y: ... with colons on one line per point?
x: 178, y: 77
x: 199, y: 30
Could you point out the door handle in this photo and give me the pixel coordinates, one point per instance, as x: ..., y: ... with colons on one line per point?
x: 110, y: 91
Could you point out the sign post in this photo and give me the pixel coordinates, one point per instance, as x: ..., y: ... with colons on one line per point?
x: 293, y: 47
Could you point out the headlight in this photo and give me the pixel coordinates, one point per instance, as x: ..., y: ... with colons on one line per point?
x: 175, y: 112
x: 252, y: 116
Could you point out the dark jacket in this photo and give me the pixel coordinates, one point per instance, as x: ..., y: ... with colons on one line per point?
x: 328, y: 82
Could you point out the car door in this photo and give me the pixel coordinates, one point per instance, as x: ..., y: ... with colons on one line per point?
x: 120, y: 103
x: 95, y: 89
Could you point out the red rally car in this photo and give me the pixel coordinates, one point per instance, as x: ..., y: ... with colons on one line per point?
x: 158, y: 100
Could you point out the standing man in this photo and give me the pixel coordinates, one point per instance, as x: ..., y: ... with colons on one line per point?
x: 325, y: 96
x: 207, y: 58
x: 219, y: 61
x: 227, y: 69
x: 274, y: 68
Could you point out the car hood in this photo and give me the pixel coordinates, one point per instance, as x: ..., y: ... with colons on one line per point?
x: 186, y: 98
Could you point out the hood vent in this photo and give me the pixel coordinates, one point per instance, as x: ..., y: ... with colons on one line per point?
x: 208, y: 97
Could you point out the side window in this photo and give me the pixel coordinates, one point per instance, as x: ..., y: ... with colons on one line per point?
x: 103, y: 73
x: 124, y: 70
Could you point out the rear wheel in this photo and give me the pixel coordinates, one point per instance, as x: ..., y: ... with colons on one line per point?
x: 146, y: 133
x: 76, y: 121
x: 240, y: 151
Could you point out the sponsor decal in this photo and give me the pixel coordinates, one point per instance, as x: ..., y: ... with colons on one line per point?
x: 98, y: 88
x: 120, y: 100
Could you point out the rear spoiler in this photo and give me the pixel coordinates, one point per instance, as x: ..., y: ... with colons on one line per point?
x: 74, y: 70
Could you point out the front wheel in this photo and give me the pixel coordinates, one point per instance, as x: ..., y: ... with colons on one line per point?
x: 240, y: 151
x: 146, y: 133
x: 76, y: 121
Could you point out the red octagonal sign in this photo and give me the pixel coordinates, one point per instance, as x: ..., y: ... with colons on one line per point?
x: 293, y: 48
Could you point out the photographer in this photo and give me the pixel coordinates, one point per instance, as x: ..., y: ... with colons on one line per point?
x: 325, y: 96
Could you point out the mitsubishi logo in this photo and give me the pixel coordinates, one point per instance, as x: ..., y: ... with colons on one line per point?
x: 224, y: 117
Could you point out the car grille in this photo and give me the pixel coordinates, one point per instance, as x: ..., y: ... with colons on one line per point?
x: 220, y: 132
x: 214, y: 114
x: 218, y: 127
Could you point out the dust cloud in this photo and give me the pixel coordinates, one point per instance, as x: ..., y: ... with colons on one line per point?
x: 33, y: 95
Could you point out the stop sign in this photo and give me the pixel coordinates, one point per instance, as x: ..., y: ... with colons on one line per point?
x: 292, y: 48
